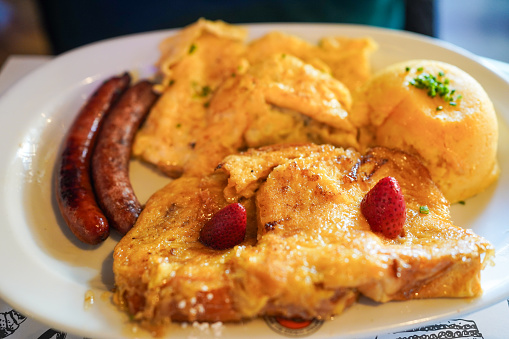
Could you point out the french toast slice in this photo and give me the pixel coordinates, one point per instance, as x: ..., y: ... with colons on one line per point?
x: 308, y: 250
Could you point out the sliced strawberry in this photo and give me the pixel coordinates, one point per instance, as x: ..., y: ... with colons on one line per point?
x: 384, y: 208
x: 226, y: 228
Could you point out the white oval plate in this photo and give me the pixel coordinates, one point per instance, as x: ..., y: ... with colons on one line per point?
x: 46, y: 272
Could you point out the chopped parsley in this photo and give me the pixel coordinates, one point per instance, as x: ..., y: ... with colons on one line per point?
x: 201, y: 91
x: 205, y: 90
x: 192, y: 48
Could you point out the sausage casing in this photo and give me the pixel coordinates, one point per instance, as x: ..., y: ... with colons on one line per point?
x: 74, y: 191
x: 112, y: 154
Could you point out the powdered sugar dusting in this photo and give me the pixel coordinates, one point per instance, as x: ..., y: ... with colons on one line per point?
x: 204, y: 330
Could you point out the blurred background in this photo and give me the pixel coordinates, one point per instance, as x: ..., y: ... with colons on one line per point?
x: 51, y: 27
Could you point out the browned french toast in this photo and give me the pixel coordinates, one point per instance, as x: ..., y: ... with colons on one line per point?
x: 308, y: 251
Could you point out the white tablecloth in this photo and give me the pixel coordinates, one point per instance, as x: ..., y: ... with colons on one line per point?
x: 490, y: 323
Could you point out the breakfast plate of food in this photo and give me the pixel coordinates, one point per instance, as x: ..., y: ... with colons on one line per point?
x: 322, y: 180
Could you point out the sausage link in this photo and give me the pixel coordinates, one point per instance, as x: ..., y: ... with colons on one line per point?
x: 110, y: 160
x: 74, y: 192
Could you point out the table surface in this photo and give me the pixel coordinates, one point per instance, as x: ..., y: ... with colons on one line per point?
x: 490, y: 323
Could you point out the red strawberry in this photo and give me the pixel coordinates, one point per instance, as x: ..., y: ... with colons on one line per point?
x: 226, y: 228
x: 384, y: 208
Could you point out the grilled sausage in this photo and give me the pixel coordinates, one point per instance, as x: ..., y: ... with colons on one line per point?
x: 110, y: 160
x: 74, y: 192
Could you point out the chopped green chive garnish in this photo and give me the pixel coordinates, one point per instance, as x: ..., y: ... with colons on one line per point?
x: 461, y: 202
x: 435, y: 87
x: 407, y: 68
x: 192, y: 48
x: 439, y: 108
x: 179, y: 125
x: 420, y: 69
x: 424, y: 209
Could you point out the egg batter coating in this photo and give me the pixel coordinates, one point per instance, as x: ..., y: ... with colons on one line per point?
x: 308, y: 251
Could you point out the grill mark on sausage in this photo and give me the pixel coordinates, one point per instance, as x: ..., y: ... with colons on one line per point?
x: 74, y: 190
x: 112, y: 154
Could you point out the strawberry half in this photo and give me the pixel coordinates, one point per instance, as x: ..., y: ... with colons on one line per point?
x: 226, y: 228
x: 384, y: 208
